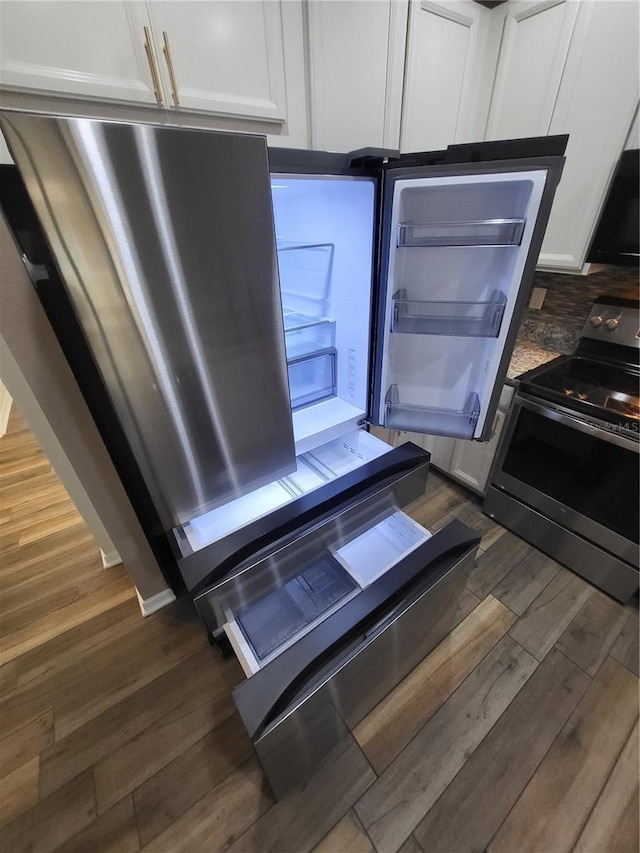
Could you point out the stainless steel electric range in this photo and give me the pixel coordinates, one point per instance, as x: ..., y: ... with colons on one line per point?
x: 566, y: 475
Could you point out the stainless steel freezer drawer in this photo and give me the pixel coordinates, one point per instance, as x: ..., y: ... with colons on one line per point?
x: 303, y: 701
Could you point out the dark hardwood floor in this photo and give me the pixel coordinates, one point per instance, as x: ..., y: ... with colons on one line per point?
x: 519, y: 732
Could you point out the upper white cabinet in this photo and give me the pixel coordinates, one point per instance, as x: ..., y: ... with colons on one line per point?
x: 534, y: 46
x: 220, y: 56
x: 95, y: 49
x: 356, y: 65
x: 443, y: 74
x: 595, y: 105
x: 224, y: 56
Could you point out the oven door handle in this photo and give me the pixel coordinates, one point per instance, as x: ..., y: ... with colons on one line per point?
x: 604, y: 433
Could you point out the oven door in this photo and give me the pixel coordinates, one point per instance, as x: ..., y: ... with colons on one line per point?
x: 579, y: 472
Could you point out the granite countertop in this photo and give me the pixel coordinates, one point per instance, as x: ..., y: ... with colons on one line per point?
x: 526, y: 356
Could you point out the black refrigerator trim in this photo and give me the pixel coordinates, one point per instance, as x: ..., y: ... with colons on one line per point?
x: 210, y: 564
x: 267, y: 694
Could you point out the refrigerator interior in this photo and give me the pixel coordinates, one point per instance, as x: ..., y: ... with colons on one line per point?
x: 457, y: 251
x: 325, y: 241
x: 285, y: 595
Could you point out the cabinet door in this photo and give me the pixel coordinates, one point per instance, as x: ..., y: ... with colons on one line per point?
x: 87, y: 48
x: 224, y: 56
x: 532, y: 55
x: 443, y: 76
x: 356, y: 83
x: 596, y: 102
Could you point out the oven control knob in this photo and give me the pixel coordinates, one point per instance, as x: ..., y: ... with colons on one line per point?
x: 596, y: 321
x: 612, y: 323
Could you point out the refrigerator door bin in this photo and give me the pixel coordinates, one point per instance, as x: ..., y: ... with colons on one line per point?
x: 461, y: 319
x: 312, y: 378
x: 402, y: 470
x: 485, y: 232
x: 298, y: 705
x: 451, y: 422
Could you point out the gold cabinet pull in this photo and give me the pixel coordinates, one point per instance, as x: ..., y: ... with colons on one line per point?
x: 155, y: 79
x: 172, y: 74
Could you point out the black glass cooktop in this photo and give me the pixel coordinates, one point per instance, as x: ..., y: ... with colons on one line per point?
x: 602, y: 389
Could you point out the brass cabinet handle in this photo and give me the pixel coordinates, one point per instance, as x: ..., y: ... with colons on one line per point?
x: 172, y: 74
x: 155, y: 79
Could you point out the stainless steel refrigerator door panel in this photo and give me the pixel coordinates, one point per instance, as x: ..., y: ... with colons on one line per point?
x: 165, y: 241
x: 354, y: 680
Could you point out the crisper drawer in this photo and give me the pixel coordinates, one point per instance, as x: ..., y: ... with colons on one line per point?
x: 325, y: 626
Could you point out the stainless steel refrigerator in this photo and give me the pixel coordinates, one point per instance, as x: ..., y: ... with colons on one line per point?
x: 237, y: 318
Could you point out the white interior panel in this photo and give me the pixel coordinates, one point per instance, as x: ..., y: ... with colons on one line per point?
x: 315, y: 468
x: 460, y: 242
x: 325, y: 237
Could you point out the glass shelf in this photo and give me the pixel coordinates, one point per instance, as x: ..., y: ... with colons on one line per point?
x: 305, y: 335
x: 484, y: 232
x: 406, y: 416
x: 312, y: 378
x: 463, y: 319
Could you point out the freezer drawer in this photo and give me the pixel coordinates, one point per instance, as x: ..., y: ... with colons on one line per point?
x: 301, y: 703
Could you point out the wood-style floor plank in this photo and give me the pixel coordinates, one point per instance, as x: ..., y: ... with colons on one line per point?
x: 399, y: 799
x: 120, y: 773
x: 54, y: 820
x: 496, y: 562
x: 20, y: 791
x: 25, y: 741
x: 347, y: 836
x: 556, y: 803
x: 472, y: 808
x: 215, y: 821
x: 385, y: 731
x: 114, y: 831
x: 626, y: 647
x: 549, y: 614
x: 591, y: 633
x: 526, y: 580
x: 172, y: 791
x: 613, y: 823
x: 111, y: 730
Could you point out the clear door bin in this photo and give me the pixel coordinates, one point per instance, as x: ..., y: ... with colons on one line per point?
x: 484, y: 232
x: 312, y: 378
x: 465, y: 319
x: 413, y: 418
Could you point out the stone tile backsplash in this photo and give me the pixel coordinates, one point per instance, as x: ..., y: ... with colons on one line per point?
x: 557, y: 325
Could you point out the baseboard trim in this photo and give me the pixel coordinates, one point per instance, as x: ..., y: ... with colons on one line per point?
x: 156, y: 602
x: 110, y: 558
x: 5, y: 409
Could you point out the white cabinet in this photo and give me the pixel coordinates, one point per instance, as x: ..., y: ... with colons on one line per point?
x: 443, y: 74
x: 224, y: 57
x: 218, y: 56
x: 467, y: 462
x: 94, y: 49
x: 356, y: 64
x: 595, y: 105
x: 535, y: 43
